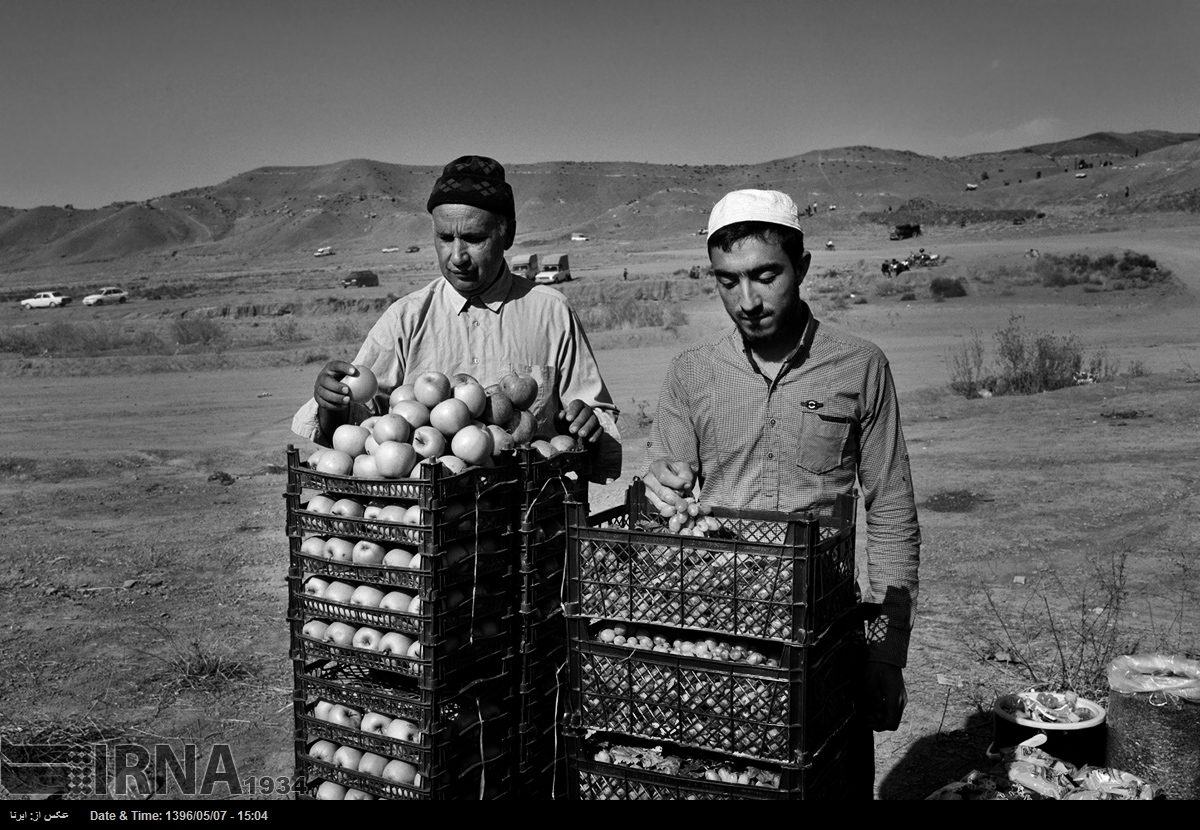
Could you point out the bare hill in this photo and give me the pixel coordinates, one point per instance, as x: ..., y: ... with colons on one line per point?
x: 360, y: 205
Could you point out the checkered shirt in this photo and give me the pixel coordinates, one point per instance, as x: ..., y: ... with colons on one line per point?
x: 795, y: 442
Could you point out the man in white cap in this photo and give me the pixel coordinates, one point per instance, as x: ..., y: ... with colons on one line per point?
x: 784, y: 413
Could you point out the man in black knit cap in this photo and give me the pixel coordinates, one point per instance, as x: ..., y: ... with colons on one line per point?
x: 481, y: 320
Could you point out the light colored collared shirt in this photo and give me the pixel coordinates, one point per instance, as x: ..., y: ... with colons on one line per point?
x: 513, y: 326
x: 796, y: 441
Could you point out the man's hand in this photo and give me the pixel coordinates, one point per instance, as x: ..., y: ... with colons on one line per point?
x: 669, y: 482
x: 580, y: 421
x: 884, y: 696
x: 329, y: 391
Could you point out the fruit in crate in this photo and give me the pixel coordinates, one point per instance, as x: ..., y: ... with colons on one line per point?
x: 351, y: 439
x: 368, y: 596
x: 354, y: 794
x: 522, y: 390
x: 690, y: 518
x: 400, y: 772
x: 473, y: 444
x: 338, y: 714
x: 498, y: 409
x: 330, y: 791
x: 366, y: 552
x: 431, y: 388
x: 348, y: 508
x: 335, y: 462
x: 367, y: 639
x: 450, y: 416
x: 338, y: 591
x: 320, y: 504
x: 394, y: 459
x: 339, y: 634
x: 402, y: 729
x: 396, y: 601
x: 365, y: 466
x: 323, y: 751
x: 347, y: 757
x: 470, y: 392
x: 339, y: 549
x: 375, y: 722
x: 413, y: 411
x: 391, y: 427
x: 395, y: 644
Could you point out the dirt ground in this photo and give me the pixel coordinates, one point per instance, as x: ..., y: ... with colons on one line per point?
x: 145, y: 555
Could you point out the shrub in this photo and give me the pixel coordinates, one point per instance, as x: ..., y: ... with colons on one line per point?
x: 287, y: 330
x: 907, y: 297
x: 946, y: 287
x: 1032, y: 362
x: 169, y: 292
x: 198, y: 331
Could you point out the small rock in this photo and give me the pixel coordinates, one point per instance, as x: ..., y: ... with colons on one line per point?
x: 129, y: 583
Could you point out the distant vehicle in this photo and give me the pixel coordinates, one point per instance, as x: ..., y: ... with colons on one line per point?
x: 972, y: 187
x: 702, y: 232
x: 324, y: 251
x: 905, y: 231
x: 412, y: 249
x: 555, y: 269
x: 578, y: 237
x: 391, y: 249
x: 524, y: 265
x: 46, y: 299
x: 829, y: 245
x: 111, y: 294
x: 361, y: 279
x: 1081, y: 175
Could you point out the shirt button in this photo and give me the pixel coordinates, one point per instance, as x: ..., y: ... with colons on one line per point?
x: 474, y: 360
x: 771, y: 456
x: 772, y: 422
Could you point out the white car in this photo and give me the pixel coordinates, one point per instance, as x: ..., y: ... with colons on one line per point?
x: 111, y: 294
x: 325, y: 250
x: 552, y: 275
x: 46, y: 299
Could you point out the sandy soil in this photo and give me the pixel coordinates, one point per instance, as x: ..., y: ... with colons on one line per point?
x: 144, y: 518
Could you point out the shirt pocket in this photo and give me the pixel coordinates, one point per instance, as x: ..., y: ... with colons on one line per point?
x: 823, y: 443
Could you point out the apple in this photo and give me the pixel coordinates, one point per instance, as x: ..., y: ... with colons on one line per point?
x: 414, y: 650
x: 498, y: 409
x: 472, y: 444
x: 330, y: 790
x: 354, y: 794
x: 457, y: 380
x: 365, y: 466
x: 341, y: 715
x: 367, y: 638
x: 339, y: 634
x: 370, y: 445
x: 366, y: 552
x: 454, y: 554
x: 362, y: 385
x: 371, y: 511
x: 392, y: 427
x: 396, y: 601
x: 400, y: 772
x: 339, y: 549
x: 544, y: 448
x: 347, y: 757
x: 391, y: 513
x: 369, y: 423
x: 522, y: 427
x: 315, y: 586
x: 368, y: 596
x: 376, y: 722
x: 415, y: 412
x: 453, y: 464
x: 348, y: 508
x: 397, y: 558
x: 428, y: 442
x: 315, y: 457
x: 395, y: 644
x: 371, y: 764
x: 320, y: 504
x: 351, y: 439
x: 415, y: 564
x: 315, y: 629
x: 338, y: 591
x: 450, y: 416
x: 431, y: 388
x: 323, y: 751
x: 416, y: 606
x: 502, y: 440
x: 403, y: 730
x: 403, y: 392
x: 564, y: 443
x: 335, y: 463
x: 394, y: 459
x: 472, y: 394
x: 522, y: 390
x: 314, y: 546
x: 413, y: 516
x: 321, y: 709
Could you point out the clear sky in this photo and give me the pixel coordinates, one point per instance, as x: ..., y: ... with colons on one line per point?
x: 114, y: 100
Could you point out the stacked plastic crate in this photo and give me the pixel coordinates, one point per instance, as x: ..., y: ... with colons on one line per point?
x: 401, y: 612
x: 546, y: 486
x: 718, y: 666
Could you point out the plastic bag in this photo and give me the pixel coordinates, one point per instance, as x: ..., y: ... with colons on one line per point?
x: 1170, y: 674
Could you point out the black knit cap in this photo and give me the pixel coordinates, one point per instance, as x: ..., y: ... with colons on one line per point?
x: 477, y: 181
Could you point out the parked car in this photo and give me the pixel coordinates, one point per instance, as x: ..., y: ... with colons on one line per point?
x: 360, y: 279
x: 325, y: 250
x: 412, y: 249
x: 555, y: 268
x: 390, y: 249
x: 110, y: 294
x: 46, y: 299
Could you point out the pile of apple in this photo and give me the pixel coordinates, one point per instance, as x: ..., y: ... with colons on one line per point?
x: 394, y: 770
x: 436, y: 419
x: 459, y: 515
x: 659, y: 761
x: 706, y: 649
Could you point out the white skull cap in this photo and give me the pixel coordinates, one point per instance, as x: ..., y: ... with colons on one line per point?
x: 754, y: 206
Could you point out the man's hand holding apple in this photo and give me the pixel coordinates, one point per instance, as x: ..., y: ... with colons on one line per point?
x: 670, y: 482
x: 579, y: 420
x: 334, y: 404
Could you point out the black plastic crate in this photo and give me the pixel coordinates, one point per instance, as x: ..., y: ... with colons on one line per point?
x: 783, y: 713
x: 541, y: 550
x: 456, y: 566
x: 678, y: 774
x: 448, y: 662
x: 547, y: 484
x: 454, y: 613
x: 776, y: 576
x: 541, y: 595
x: 436, y: 485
